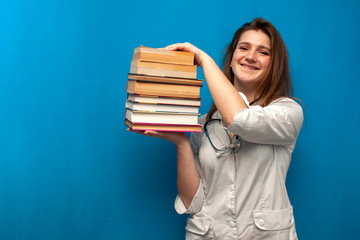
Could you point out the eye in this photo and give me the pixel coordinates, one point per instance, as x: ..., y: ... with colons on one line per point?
x: 265, y: 53
x: 243, y: 48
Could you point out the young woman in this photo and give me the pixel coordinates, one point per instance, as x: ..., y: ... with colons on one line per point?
x: 231, y: 177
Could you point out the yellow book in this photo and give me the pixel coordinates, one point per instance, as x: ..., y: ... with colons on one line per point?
x: 163, y: 127
x: 149, y: 78
x: 163, y: 69
x: 163, y: 89
x: 163, y: 56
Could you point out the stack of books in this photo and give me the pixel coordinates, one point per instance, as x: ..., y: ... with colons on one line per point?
x: 163, y: 91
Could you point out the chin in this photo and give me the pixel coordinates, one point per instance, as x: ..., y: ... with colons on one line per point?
x: 248, y: 82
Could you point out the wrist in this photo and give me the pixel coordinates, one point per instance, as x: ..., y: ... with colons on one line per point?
x: 182, y: 143
x: 205, y: 60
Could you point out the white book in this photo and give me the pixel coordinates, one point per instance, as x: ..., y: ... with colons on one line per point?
x: 161, y: 118
x: 160, y: 107
x: 164, y: 100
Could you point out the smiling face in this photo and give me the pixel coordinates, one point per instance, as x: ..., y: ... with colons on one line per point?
x: 251, y: 59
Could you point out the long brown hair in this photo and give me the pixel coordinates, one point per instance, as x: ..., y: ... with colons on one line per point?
x: 277, y: 82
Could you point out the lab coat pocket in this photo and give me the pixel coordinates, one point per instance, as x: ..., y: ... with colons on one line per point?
x: 274, y: 224
x: 198, y: 228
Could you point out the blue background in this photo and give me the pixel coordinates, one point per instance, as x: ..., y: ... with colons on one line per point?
x: 70, y: 170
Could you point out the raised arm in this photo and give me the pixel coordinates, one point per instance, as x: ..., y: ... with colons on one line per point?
x: 226, y: 97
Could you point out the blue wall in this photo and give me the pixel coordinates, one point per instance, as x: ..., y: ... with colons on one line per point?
x: 70, y: 170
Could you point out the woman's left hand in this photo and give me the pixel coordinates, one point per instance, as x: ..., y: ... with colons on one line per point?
x: 188, y: 47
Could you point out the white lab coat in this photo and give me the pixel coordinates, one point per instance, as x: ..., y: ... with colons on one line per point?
x: 243, y: 195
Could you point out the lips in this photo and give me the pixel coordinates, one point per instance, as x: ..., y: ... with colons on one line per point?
x: 249, y: 67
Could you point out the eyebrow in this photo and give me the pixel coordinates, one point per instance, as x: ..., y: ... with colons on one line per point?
x: 260, y: 46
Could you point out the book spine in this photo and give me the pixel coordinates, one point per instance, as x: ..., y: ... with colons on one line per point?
x: 163, y: 58
x: 161, y: 89
x: 164, y: 100
x: 155, y: 54
x: 161, y: 118
x: 163, y: 127
x: 168, y: 80
x: 164, y: 66
x: 162, y: 72
x: 156, y: 107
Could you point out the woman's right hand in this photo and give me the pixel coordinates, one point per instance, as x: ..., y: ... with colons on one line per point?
x: 187, y: 176
x: 174, y: 137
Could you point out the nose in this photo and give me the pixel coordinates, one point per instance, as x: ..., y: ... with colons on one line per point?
x: 251, y: 56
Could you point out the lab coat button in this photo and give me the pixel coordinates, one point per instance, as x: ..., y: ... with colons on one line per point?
x: 261, y: 222
x: 231, y: 224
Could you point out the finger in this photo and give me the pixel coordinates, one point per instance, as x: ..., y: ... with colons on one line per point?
x: 172, y: 47
x: 137, y: 131
x: 158, y: 134
x: 150, y: 132
x: 179, y: 46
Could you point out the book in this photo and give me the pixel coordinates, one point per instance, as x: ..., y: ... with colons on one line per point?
x: 163, y: 127
x: 161, y: 118
x: 164, y: 100
x: 142, y: 53
x: 149, y: 78
x: 160, y: 107
x: 163, y: 69
x: 163, y: 92
x: 163, y: 89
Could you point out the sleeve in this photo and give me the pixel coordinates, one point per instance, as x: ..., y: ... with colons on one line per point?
x: 197, y: 202
x: 195, y: 205
x: 279, y: 123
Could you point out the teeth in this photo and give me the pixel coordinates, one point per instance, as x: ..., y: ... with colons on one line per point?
x: 249, y: 67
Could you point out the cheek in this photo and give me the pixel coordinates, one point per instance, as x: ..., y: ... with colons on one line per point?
x: 232, y: 61
x: 266, y: 65
x: 235, y: 57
